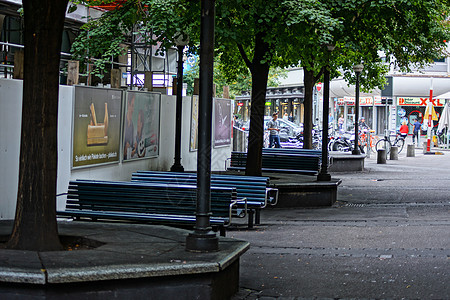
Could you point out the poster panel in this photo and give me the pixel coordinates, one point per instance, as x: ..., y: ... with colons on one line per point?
x: 222, y: 122
x: 96, y: 126
x: 141, y: 125
x: 193, y: 145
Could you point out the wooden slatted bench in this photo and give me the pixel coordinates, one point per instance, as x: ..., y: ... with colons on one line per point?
x: 252, y: 188
x: 280, y: 160
x: 169, y: 204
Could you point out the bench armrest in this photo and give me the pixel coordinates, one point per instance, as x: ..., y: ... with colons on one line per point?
x: 226, y: 160
x: 236, y: 203
x: 273, y: 200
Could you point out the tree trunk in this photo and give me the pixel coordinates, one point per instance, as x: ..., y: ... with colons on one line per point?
x: 260, y: 75
x: 308, y: 82
x: 35, y: 226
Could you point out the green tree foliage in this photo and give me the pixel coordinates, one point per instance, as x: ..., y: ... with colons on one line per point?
x: 253, y: 36
x: 154, y: 22
x: 242, y: 82
x: 257, y: 35
x: 409, y: 33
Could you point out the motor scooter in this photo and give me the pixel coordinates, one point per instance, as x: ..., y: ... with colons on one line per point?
x: 345, y: 142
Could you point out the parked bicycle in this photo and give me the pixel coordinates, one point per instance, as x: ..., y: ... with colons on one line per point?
x: 386, y: 143
x: 398, y: 142
x: 363, y: 136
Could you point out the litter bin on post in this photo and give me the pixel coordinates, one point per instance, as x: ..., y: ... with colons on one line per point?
x: 381, y: 158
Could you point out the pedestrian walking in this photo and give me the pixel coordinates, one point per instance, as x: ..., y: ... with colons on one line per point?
x: 274, y: 131
x: 416, y: 131
x: 341, y: 123
x: 404, y: 130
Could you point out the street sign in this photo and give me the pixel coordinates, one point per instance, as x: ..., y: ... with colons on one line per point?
x: 319, y: 86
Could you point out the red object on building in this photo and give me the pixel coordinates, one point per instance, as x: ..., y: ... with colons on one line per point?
x: 110, y: 6
x: 319, y: 86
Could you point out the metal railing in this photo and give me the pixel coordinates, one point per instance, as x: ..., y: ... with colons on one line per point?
x: 240, y: 140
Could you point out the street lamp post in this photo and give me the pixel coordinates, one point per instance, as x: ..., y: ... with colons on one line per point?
x: 323, y: 174
x: 181, y: 41
x: 357, y: 68
x: 203, y: 239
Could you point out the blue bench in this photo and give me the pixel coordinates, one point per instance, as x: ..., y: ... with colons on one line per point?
x: 252, y: 188
x: 292, y: 151
x: 282, y: 160
x: 168, y: 204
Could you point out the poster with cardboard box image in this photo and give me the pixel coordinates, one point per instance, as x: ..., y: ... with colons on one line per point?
x: 141, y: 125
x: 96, y: 126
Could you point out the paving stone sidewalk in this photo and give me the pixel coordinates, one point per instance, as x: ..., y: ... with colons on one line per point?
x: 388, y: 237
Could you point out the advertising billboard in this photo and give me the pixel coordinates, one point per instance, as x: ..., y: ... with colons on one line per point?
x: 222, y: 122
x: 193, y: 144
x: 141, y: 125
x: 96, y: 126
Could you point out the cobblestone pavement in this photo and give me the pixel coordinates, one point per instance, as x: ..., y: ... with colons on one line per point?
x: 387, y: 237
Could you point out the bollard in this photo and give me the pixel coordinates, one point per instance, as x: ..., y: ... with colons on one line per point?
x: 381, y: 158
x: 393, y: 155
x: 411, y: 150
x: 424, y: 147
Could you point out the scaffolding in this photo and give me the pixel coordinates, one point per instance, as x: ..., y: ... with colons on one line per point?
x: 147, y: 59
x: 142, y: 57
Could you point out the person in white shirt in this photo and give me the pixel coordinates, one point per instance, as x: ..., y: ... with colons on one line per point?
x: 274, y: 129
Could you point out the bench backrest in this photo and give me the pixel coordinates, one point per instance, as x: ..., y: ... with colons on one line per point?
x: 142, y: 197
x: 280, y: 161
x: 292, y: 151
x: 252, y: 188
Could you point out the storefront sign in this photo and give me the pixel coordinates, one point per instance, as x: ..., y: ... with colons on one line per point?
x: 377, y: 100
x: 416, y: 101
x: 363, y: 101
x: 349, y: 100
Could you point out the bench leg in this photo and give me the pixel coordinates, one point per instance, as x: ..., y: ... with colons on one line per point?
x: 258, y: 216
x: 222, y: 231
x: 250, y: 218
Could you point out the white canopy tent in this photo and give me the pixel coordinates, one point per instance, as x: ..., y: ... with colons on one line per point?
x: 443, y: 96
x: 444, y: 123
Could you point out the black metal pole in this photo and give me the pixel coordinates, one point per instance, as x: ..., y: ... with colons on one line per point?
x: 324, y: 175
x: 177, y: 167
x: 203, y: 239
x: 356, y: 150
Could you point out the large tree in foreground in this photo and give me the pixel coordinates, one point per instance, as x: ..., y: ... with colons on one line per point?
x: 35, y: 226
